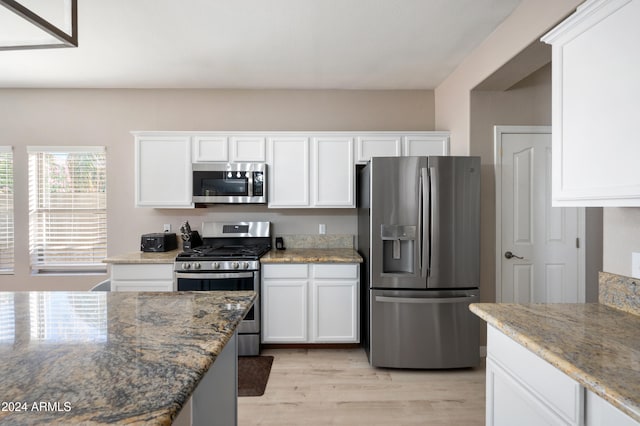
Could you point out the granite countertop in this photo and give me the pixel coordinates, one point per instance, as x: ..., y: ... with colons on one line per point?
x: 596, y: 345
x: 103, y: 358
x: 142, y: 257
x: 312, y: 255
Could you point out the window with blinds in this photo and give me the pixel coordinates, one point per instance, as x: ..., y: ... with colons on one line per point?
x: 6, y: 210
x: 7, y: 318
x: 67, y: 209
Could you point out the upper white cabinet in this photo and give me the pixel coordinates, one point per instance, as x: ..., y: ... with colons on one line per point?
x: 248, y: 149
x: 305, y: 169
x: 226, y: 148
x: 434, y: 143
x: 396, y: 145
x: 163, y: 171
x: 288, y: 171
x: 378, y: 146
x: 311, y: 172
x: 333, y: 172
x: 210, y: 149
x: 596, y: 105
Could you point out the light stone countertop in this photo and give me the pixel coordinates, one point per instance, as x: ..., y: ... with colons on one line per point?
x: 312, y: 255
x: 596, y: 345
x: 111, y: 357
x: 138, y: 257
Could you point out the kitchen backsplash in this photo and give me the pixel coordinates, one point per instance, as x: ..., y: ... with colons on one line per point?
x: 619, y: 292
x: 318, y: 241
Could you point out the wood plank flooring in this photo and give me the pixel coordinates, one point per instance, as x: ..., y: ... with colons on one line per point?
x: 339, y: 387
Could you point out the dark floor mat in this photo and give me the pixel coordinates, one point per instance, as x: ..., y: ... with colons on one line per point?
x: 253, y: 374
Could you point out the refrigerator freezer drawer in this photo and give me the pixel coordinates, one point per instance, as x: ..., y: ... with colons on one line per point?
x: 424, y: 329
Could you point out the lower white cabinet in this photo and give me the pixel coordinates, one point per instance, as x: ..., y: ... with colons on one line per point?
x: 310, y: 303
x: 142, y: 277
x: 524, y: 389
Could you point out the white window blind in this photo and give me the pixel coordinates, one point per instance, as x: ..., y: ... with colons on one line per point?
x: 6, y: 210
x: 7, y: 318
x: 67, y: 209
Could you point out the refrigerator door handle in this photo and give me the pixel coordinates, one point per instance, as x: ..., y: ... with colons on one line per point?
x: 425, y: 213
x: 425, y: 300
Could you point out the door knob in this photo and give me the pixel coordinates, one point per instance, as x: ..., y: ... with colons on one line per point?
x: 509, y: 255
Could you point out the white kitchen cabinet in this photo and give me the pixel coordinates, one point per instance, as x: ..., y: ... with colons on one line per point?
x: 142, y: 277
x: 224, y: 148
x: 434, y: 143
x: 524, y: 389
x: 284, y: 303
x: 288, y: 172
x: 248, y: 149
x: 377, y: 146
x: 163, y: 171
x: 333, y: 172
x: 334, y: 303
x: 210, y: 149
x: 596, y: 105
x: 310, y: 303
x: 600, y: 412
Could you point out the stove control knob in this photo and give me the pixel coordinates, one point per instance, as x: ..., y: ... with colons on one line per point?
x: 196, y: 266
x: 235, y: 265
x: 245, y: 265
x: 186, y: 265
x: 215, y: 265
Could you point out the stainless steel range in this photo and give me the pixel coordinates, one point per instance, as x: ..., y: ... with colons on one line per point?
x: 228, y: 260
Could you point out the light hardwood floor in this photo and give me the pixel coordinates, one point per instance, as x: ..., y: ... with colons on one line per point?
x: 339, y: 387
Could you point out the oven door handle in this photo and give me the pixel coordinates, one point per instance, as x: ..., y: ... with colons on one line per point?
x: 214, y: 276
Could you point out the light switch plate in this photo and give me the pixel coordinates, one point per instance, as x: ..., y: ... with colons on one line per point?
x: 322, y: 229
x: 635, y: 265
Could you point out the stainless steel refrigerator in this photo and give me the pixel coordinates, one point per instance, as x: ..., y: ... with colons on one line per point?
x: 419, y: 235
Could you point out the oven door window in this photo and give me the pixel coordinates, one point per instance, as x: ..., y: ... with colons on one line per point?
x: 220, y: 184
x: 217, y: 284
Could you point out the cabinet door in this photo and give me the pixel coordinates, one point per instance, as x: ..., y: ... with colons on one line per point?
x: 510, y: 403
x: 596, y: 99
x: 334, y: 311
x: 425, y: 145
x: 210, y: 148
x: 284, y: 310
x: 142, y: 277
x: 600, y: 412
x: 334, y: 173
x: 163, y: 171
x: 288, y: 172
x: 377, y: 146
x: 248, y: 149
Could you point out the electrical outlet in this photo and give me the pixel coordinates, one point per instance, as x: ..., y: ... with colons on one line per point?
x: 322, y: 229
x: 635, y: 265
x: 167, y: 227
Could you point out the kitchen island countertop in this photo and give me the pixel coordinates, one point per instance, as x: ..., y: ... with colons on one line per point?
x: 312, y: 255
x: 110, y: 357
x: 594, y: 344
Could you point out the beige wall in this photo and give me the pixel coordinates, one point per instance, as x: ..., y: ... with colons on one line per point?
x: 528, y: 103
x: 105, y: 117
x: 621, y: 238
x: 527, y: 23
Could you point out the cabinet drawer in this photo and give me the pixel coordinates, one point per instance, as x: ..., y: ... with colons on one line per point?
x: 555, y: 389
x: 297, y: 270
x: 142, y: 272
x: 156, y: 285
x: 349, y: 271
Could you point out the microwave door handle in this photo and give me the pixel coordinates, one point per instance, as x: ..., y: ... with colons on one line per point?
x: 425, y: 213
x: 250, y: 183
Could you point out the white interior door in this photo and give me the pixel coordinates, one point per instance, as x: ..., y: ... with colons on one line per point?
x: 538, y: 252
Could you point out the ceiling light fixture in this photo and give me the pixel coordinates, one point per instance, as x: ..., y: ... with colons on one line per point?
x: 23, y: 28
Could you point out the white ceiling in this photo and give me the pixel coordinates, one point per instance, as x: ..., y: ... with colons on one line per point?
x: 294, y: 44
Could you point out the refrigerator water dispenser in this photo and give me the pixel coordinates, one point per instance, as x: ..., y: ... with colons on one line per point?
x: 398, y: 248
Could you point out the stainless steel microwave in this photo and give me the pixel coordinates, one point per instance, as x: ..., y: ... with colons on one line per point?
x: 233, y: 183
